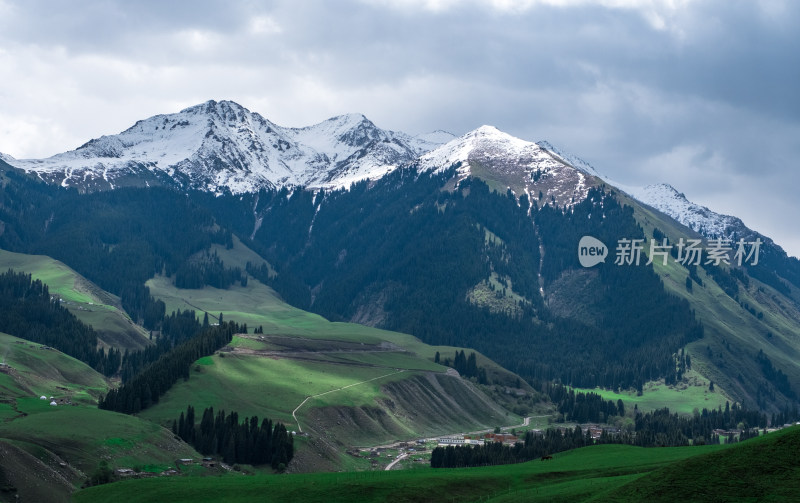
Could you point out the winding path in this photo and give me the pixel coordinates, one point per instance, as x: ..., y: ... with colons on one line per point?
x: 294, y: 412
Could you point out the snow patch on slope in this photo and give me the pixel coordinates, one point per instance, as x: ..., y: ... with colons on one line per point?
x: 573, y: 160
x: 666, y: 199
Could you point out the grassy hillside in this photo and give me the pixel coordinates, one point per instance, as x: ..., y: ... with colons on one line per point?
x: 48, y: 450
x: 684, y: 397
x: 31, y: 371
x: 733, y: 335
x: 88, y: 302
x: 348, y: 384
x: 763, y: 469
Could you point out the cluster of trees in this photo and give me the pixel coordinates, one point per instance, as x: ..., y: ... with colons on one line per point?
x: 27, y: 311
x: 208, y: 270
x: 581, y: 407
x: 659, y: 428
x: 773, y: 375
x: 534, y: 446
x: 247, y: 441
x: 467, y: 366
x: 146, y: 387
x: 175, y: 328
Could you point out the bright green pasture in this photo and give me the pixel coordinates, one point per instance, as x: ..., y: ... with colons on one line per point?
x: 59, y: 278
x: 683, y: 399
x: 266, y: 387
x: 572, y: 476
x: 86, y: 301
x: 84, y: 435
x: 36, y: 371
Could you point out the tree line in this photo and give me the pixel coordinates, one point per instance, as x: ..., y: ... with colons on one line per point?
x: 29, y: 312
x: 467, y: 366
x: 247, y: 441
x: 658, y: 428
x: 534, y: 446
x: 146, y: 387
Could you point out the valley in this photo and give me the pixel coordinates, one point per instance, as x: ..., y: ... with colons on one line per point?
x: 358, y: 289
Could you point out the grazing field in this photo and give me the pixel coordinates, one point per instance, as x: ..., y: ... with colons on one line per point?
x: 581, y: 475
x: 266, y: 387
x: 88, y: 302
x: 32, y: 371
x: 48, y: 450
x: 683, y: 398
x: 84, y: 435
x: 347, y: 384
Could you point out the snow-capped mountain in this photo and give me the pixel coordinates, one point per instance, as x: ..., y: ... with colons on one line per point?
x: 668, y: 200
x: 222, y: 144
x: 509, y: 162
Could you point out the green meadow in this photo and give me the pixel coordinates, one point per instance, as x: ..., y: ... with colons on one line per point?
x: 36, y: 371
x: 84, y: 435
x: 88, y: 302
x: 683, y: 398
x: 267, y: 387
x: 761, y: 469
x: 578, y: 475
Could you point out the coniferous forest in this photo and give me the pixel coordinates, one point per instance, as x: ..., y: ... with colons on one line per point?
x: 247, y: 441
x: 27, y: 311
x: 438, y: 251
x: 146, y: 387
x: 417, y: 279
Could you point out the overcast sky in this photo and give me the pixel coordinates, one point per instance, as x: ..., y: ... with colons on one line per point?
x: 703, y: 95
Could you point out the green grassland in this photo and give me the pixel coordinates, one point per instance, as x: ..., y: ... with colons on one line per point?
x: 364, y: 385
x: 684, y: 398
x: 83, y: 435
x: 239, y: 256
x: 763, y: 468
x: 88, y: 302
x: 33, y: 371
x: 266, y: 387
x: 56, y: 447
x: 258, y: 305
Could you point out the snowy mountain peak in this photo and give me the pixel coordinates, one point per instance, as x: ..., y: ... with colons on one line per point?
x: 507, y: 162
x: 667, y: 199
x: 220, y: 145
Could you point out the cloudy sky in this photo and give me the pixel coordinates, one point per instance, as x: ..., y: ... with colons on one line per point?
x: 704, y: 95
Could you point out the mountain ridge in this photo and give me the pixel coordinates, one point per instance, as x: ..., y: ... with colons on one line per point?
x: 221, y: 145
